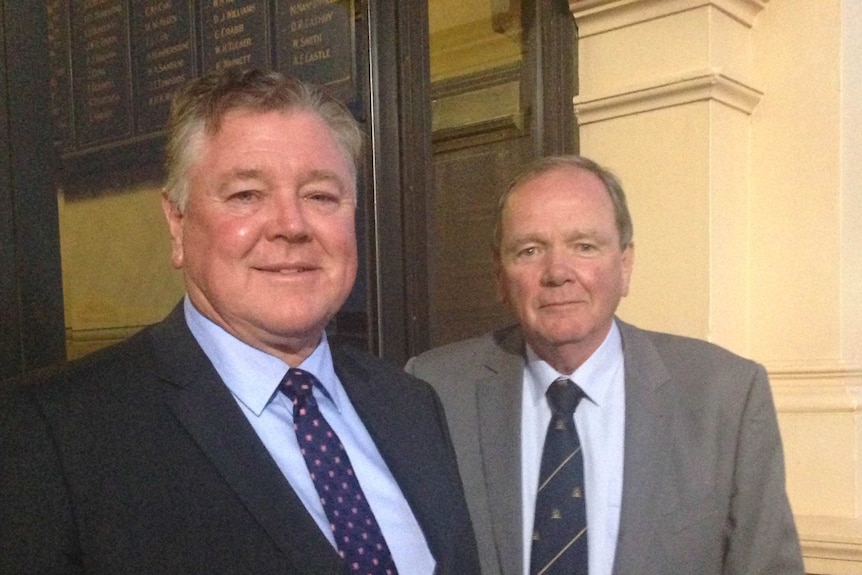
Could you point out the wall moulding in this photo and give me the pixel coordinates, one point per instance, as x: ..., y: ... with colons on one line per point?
x: 696, y: 86
x: 600, y: 16
x: 816, y: 387
x: 831, y: 544
x: 80, y: 342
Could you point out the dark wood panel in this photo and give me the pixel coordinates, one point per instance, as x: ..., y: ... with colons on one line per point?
x: 315, y: 40
x: 31, y: 295
x: 400, y: 150
x: 468, y: 181
x: 10, y: 310
x: 116, y: 63
x: 163, y: 56
x: 517, y: 113
x: 235, y: 34
x: 102, y: 72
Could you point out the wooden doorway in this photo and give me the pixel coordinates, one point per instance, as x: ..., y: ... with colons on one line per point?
x: 31, y: 292
x: 427, y: 276
x: 502, y: 83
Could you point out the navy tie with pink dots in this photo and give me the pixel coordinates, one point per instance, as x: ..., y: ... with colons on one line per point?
x: 357, y: 534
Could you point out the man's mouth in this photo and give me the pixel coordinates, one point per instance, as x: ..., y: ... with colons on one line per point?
x: 287, y: 269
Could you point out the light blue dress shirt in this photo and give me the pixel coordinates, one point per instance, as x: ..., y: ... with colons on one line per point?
x: 253, y: 377
x: 600, y: 421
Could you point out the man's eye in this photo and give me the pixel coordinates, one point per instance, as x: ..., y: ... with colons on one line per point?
x: 243, y: 197
x: 322, y: 197
x: 527, y: 252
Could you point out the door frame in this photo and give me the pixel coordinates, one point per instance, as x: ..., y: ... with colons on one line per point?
x: 398, y: 164
x: 32, y: 325
x: 548, y: 83
x: 399, y: 68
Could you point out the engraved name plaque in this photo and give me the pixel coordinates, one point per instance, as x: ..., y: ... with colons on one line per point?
x: 101, y: 77
x: 163, y: 52
x: 314, y: 41
x: 235, y: 34
x: 115, y: 65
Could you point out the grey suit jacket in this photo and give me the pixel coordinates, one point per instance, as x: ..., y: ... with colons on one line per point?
x: 137, y: 459
x: 703, y: 486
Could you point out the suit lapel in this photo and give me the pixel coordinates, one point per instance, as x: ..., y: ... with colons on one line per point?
x: 206, y: 408
x: 379, y: 404
x: 646, y: 450
x: 499, y: 405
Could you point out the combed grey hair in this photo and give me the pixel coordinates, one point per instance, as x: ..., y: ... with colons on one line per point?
x: 547, y: 164
x: 200, y: 106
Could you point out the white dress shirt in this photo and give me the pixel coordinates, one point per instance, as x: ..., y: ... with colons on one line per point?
x: 253, y: 378
x: 600, y: 421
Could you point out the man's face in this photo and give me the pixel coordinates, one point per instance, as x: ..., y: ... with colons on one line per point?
x: 560, y: 268
x: 267, y: 241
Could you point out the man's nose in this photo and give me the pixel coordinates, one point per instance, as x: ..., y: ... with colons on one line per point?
x: 287, y: 218
x: 557, y: 268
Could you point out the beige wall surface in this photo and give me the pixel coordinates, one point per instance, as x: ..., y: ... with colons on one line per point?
x: 736, y: 128
x: 795, y: 179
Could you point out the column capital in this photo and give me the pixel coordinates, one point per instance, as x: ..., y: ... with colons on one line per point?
x: 597, y: 16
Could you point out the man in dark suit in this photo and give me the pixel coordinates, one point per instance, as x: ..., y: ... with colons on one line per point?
x: 680, y: 455
x: 230, y: 437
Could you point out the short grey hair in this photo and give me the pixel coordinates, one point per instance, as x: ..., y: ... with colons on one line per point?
x: 547, y: 164
x: 199, y: 107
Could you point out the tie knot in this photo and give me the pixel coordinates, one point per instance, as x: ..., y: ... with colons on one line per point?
x: 297, y: 384
x: 564, y: 396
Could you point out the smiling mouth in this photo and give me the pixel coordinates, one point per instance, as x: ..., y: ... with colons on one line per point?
x: 559, y: 304
x: 287, y: 270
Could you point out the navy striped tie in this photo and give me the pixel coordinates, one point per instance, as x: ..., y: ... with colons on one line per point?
x: 559, y: 544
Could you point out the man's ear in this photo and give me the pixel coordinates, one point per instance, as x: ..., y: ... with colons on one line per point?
x: 174, y: 217
x: 628, y: 266
x: 498, y: 280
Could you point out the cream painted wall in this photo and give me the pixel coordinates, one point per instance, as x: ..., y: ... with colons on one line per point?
x: 736, y: 127
x: 795, y: 177
x: 671, y: 235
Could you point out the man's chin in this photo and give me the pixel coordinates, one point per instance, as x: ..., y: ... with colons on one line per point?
x: 562, y: 330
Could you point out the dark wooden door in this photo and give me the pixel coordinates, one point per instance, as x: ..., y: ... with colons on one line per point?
x: 502, y: 88
x: 385, y: 312
x: 31, y: 295
x: 425, y: 275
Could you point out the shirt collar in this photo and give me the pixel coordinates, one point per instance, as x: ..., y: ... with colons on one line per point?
x: 592, y: 376
x: 252, y: 375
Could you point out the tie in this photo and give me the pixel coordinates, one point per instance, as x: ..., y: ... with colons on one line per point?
x: 560, y: 533
x: 357, y: 535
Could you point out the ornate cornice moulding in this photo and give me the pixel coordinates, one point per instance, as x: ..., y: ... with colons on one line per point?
x: 816, y: 387
x: 834, y: 541
x: 599, y: 16
x: 696, y: 86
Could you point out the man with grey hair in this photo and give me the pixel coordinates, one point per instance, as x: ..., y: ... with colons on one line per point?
x: 231, y: 437
x: 589, y: 445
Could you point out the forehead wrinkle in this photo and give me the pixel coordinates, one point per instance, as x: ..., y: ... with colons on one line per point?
x: 590, y: 233
x: 246, y: 173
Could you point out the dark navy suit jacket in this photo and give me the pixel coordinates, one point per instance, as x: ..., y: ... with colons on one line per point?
x: 136, y: 459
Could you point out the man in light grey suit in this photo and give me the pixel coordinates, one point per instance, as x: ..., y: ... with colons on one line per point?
x: 683, y: 464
